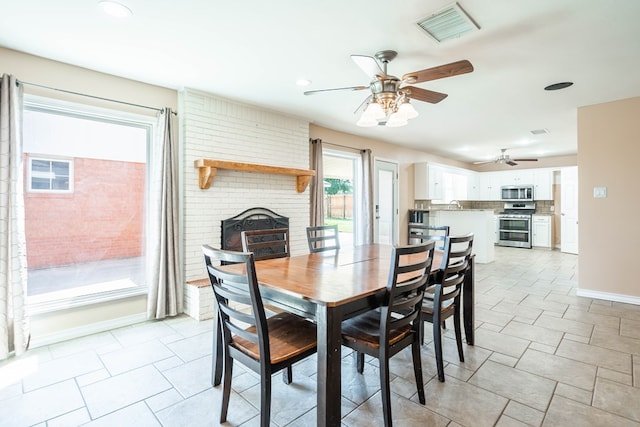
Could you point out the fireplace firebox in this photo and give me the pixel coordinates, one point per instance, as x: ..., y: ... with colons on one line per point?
x: 251, y: 219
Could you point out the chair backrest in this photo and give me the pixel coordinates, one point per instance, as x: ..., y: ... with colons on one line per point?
x: 423, y: 233
x: 266, y: 244
x: 238, y: 299
x: 323, y: 238
x: 408, y: 276
x: 457, y: 254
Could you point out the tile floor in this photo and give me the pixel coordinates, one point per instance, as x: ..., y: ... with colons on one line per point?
x: 543, y: 356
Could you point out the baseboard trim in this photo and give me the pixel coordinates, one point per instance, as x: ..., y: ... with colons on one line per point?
x: 608, y: 296
x: 85, y: 330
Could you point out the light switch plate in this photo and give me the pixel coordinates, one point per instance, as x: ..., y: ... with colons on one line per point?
x: 599, y: 192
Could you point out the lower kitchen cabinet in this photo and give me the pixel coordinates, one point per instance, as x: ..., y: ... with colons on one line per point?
x: 541, y: 230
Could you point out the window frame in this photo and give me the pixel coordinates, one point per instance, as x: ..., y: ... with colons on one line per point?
x: 41, y: 303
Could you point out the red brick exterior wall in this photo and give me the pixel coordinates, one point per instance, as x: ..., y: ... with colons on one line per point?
x: 102, y: 219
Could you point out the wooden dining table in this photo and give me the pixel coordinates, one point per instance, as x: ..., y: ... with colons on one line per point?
x: 328, y: 287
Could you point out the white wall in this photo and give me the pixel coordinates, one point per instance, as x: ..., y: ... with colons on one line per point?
x: 216, y: 128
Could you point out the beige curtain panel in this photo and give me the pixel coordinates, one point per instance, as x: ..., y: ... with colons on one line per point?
x: 14, y: 325
x: 166, y: 285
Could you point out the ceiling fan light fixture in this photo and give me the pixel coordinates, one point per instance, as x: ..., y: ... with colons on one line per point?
x: 366, y: 121
x: 407, y: 111
x: 374, y: 111
x: 396, y: 120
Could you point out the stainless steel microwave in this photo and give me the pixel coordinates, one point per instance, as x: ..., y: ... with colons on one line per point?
x: 517, y: 193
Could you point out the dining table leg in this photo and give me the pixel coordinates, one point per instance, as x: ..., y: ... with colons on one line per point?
x: 329, y: 359
x: 468, y: 302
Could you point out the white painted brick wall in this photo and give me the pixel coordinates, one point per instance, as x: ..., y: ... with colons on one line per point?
x: 221, y: 129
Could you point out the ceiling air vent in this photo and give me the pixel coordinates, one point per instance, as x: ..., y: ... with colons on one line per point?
x: 539, y: 132
x: 448, y: 23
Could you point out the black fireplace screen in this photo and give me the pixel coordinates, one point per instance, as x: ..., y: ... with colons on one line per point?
x: 251, y: 219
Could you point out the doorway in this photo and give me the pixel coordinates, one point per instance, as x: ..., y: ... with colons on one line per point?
x: 385, y: 228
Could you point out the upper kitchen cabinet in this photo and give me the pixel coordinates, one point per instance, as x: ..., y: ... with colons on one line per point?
x: 543, y: 184
x: 443, y: 183
x: 490, y: 183
x: 517, y: 177
x: 427, y: 181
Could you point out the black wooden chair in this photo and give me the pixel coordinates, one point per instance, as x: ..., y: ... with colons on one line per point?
x: 323, y: 238
x: 442, y: 299
x: 423, y: 233
x: 264, y: 345
x: 266, y: 244
x: 395, y: 325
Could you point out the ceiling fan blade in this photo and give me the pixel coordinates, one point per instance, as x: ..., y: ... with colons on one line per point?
x: 311, y: 92
x: 442, y: 71
x: 424, y: 94
x: 525, y: 160
x: 368, y: 64
x: 511, y: 163
x: 483, y: 163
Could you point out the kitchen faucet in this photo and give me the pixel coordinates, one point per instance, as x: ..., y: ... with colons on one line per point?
x: 456, y: 204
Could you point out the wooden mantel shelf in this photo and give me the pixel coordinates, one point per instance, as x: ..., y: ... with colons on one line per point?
x: 208, y: 169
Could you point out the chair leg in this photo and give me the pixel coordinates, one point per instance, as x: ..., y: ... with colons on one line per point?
x: 226, y: 388
x: 421, y: 331
x: 360, y: 362
x: 437, y: 343
x: 287, y: 375
x: 458, y: 329
x: 385, y: 390
x: 265, y: 399
x: 417, y: 370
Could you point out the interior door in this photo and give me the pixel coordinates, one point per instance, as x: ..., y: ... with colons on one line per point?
x: 385, y: 228
x: 569, y: 214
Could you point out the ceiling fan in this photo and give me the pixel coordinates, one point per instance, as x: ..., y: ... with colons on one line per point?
x: 505, y: 159
x: 388, y: 102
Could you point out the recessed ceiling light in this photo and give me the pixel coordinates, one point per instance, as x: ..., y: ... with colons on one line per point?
x: 115, y: 9
x: 558, y: 86
x: 303, y: 82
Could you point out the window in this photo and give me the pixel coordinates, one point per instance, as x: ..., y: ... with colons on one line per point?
x: 85, y: 208
x: 50, y: 175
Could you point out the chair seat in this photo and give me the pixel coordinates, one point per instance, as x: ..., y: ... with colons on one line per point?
x: 366, y: 329
x: 289, y: 336
x: 446, y: 310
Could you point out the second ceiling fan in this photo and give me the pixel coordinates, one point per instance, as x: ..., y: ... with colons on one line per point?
x: 388, y: 102
x: 505, y: 159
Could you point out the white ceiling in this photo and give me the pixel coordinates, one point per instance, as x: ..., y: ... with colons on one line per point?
x: 253, y: 51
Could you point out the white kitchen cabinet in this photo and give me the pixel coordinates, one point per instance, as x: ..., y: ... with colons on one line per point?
x: 473, y: 186
x: 541, y: 230
x: 543, y: 184
x: 427, y: 181
x: 516, y: 177
x: 489, y: 185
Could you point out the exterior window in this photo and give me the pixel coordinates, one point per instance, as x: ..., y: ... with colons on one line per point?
x: 50, y: 175
x: 86, y: 205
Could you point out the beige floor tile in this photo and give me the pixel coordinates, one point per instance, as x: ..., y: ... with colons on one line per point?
x: 605, y: 338
x: 630, y: 328
x: 565, y: 412
x: 503, y: 359
x: 521, y: 386
x: 464, y: 403
x: 557, y: 368
x: 616, y: 376
x: 574, y: 393
x: 505, y: 344
x: 524, y: 414
x: 636, y: 370
x: 592, y: 318
x: 533, y: 333
x: 595, y: 355
x: 539, y: 302
x: 617, y: 398
x: 492, y: 317
x: 564, y: 325
x: 507, y: 421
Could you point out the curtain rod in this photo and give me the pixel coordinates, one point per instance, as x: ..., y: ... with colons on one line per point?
x: 160, y: 110
x: 344, y: 146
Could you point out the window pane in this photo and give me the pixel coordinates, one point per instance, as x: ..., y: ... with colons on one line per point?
x: 40, y: 183
x: 91, y: 240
